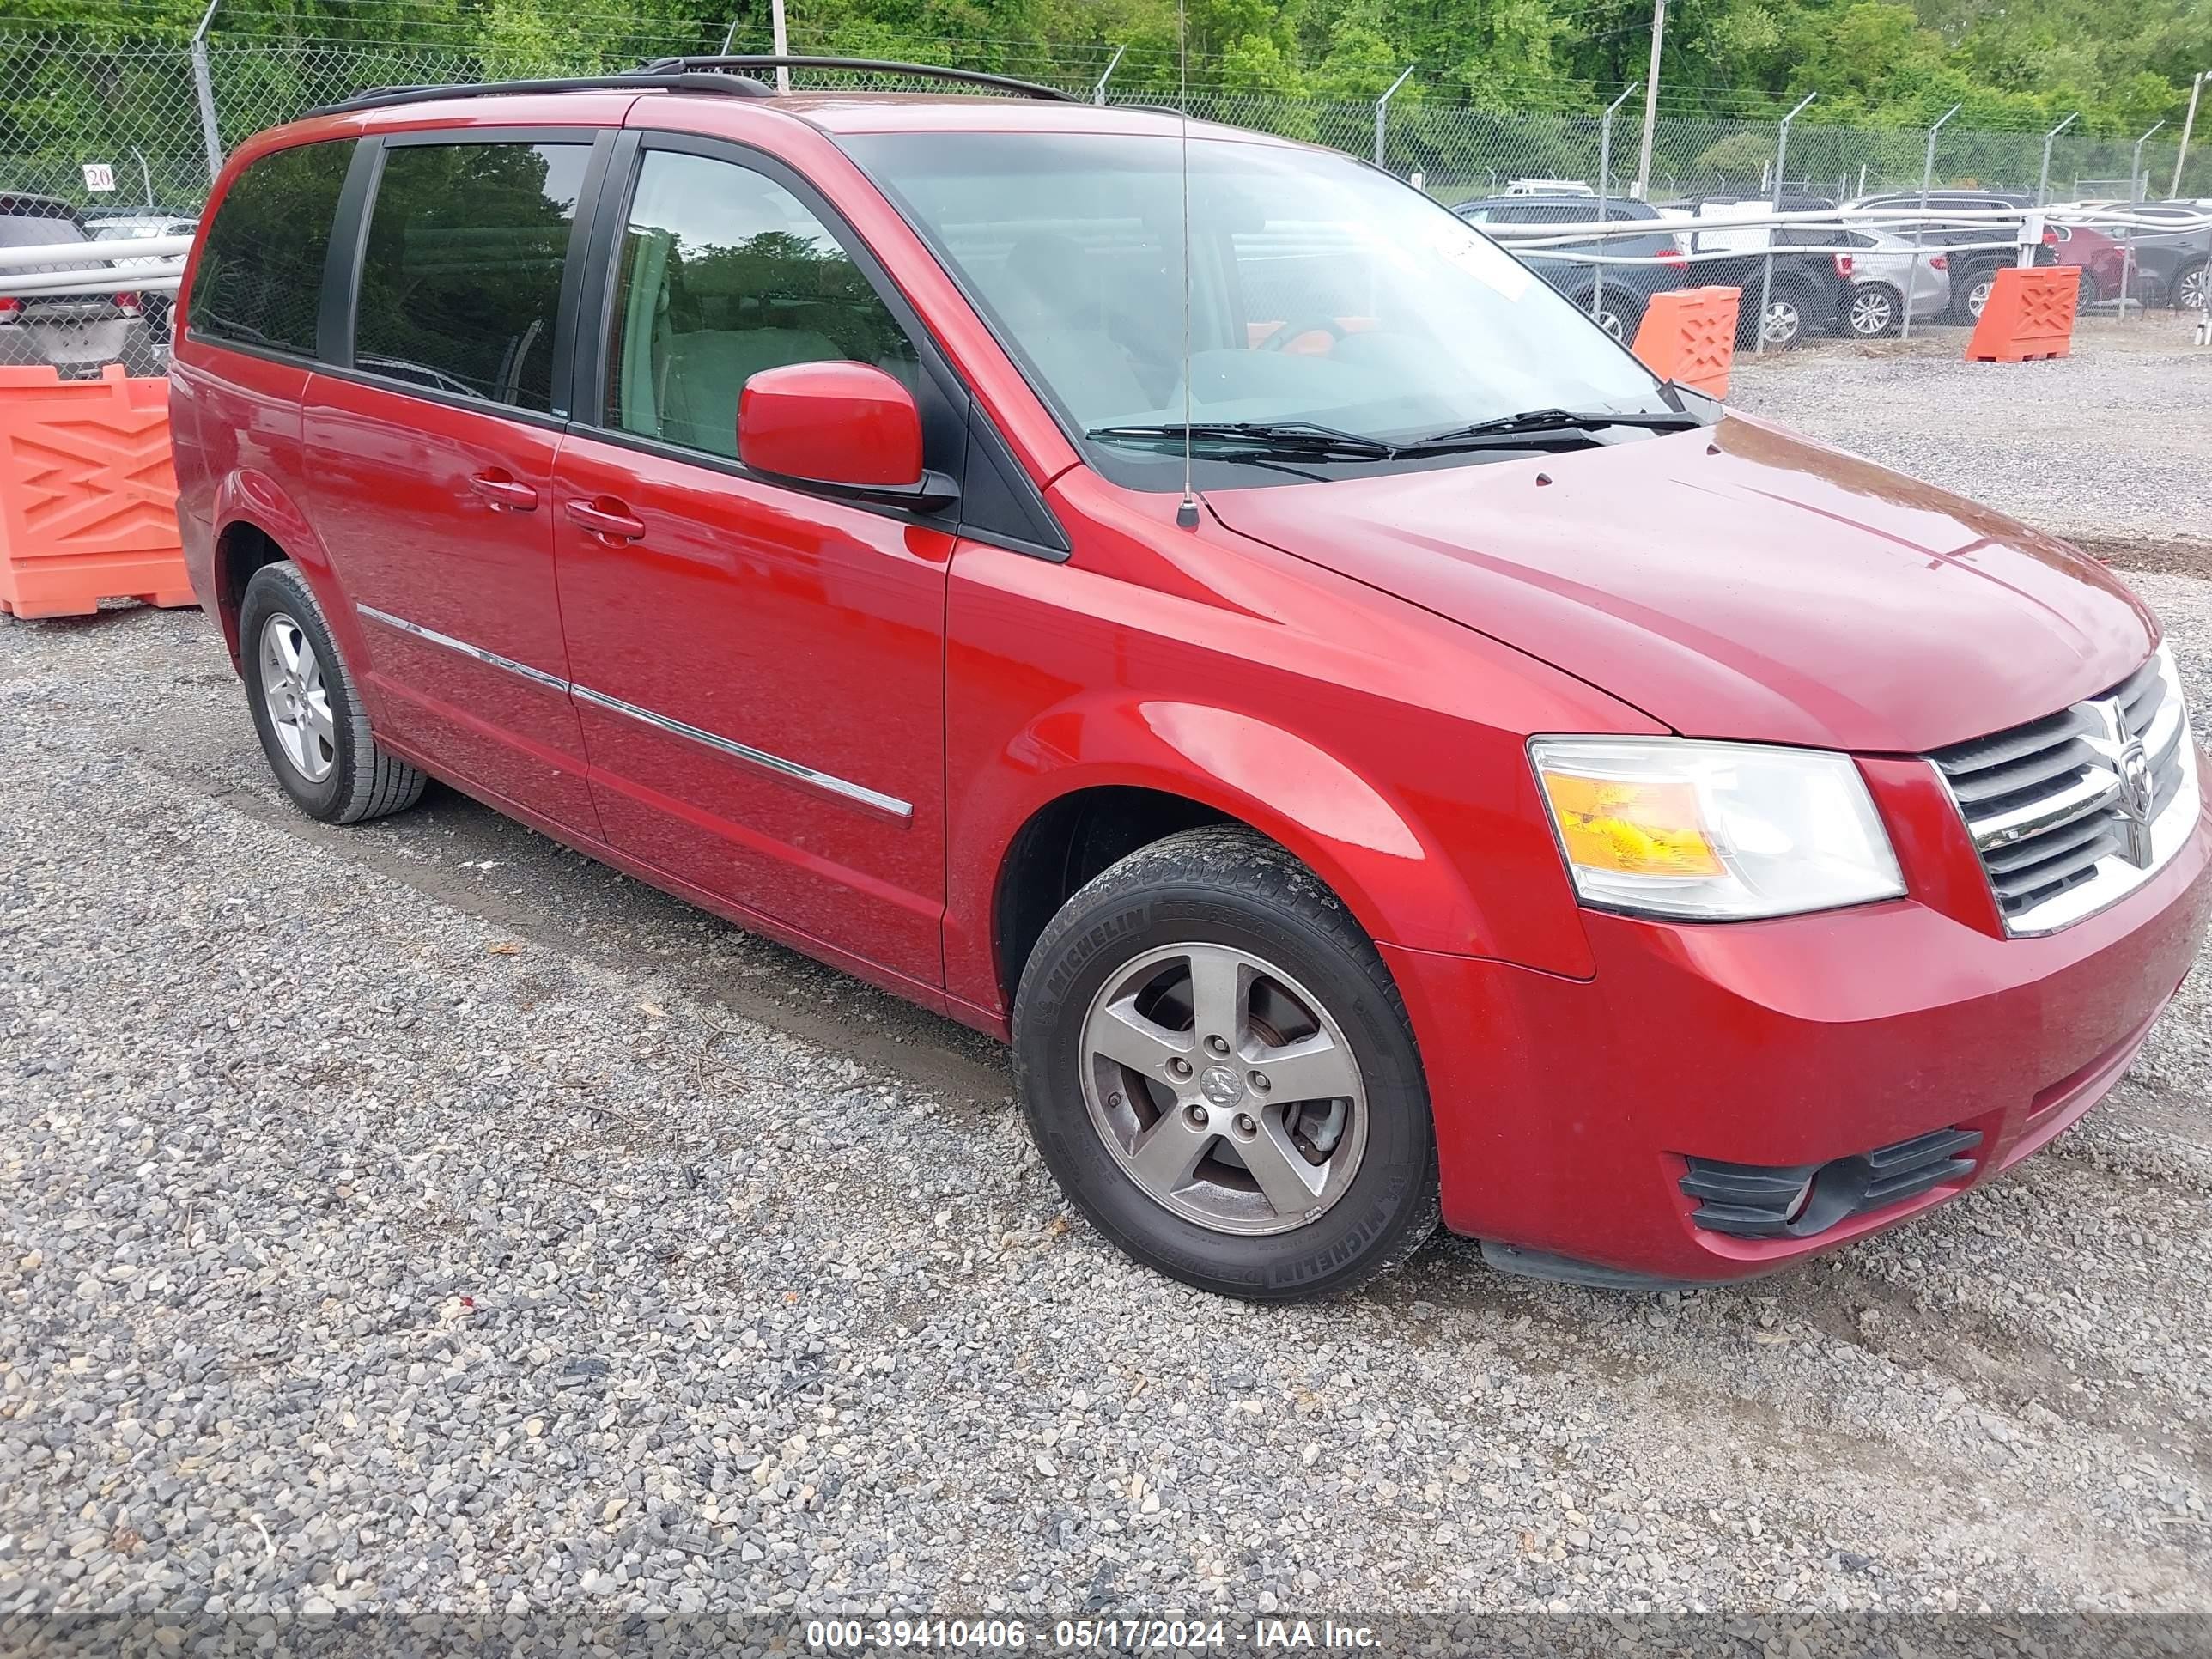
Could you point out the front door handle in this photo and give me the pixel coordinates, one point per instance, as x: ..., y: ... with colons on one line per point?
x: 504, y: 490
x: 609, y: 519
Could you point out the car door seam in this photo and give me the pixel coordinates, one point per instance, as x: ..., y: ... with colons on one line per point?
x: 827, y: 782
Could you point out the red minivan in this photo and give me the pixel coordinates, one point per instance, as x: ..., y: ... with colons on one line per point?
x: 1189, y: 605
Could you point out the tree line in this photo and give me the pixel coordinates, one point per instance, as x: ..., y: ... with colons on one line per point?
x: 2121, y: 63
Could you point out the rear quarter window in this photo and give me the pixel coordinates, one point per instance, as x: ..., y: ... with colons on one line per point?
x: 259, y: 281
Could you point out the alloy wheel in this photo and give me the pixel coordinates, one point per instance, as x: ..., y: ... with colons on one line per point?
x: 1612, y: 322
x: 296, y: 700
x: 2190, y: 293
x: 1979, y: 297
x: 1872, y: 314
x: 1783, y: 323
x: 1224, y: 1089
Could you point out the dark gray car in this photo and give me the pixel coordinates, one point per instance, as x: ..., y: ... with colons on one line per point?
x: 2170, y: 264
x: 1627, y: 288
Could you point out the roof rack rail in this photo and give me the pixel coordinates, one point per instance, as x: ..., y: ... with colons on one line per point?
x: 865, y: 66
x: 651, y: 80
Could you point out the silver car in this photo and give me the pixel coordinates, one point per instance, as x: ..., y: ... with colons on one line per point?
x: 78, y: 334
x: 1884, y: 268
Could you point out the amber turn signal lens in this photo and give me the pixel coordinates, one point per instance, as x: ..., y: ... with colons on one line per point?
x: 1637, y: 829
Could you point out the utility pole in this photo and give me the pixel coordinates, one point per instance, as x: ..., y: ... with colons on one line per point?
x: 2188, y: 124
x: 1651, y: 101
x: 782, y: 43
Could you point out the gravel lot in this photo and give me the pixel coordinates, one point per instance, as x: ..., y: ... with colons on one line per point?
x: 2111, y: 445
x: 421, y: 1216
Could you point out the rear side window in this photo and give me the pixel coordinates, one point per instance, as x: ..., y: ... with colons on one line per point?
x: 22, y: 230
x: 260, y: 276
x: 460, y: 282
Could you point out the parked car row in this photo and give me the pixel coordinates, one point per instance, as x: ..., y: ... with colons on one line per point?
x: 1859, y: 281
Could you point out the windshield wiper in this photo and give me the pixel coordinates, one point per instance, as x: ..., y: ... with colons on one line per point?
x: 1280, y: 437
x: 1537, y: 422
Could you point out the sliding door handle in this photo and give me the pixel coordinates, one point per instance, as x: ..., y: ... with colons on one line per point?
x: 504, y: 490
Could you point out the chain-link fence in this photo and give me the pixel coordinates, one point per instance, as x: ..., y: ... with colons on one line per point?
x: 134, y: 108
x: 122, y: 134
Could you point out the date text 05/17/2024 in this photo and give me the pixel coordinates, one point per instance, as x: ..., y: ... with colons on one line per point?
x: 1119, y: 1635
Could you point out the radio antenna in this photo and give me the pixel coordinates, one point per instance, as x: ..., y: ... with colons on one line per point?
x: 1186, y: 510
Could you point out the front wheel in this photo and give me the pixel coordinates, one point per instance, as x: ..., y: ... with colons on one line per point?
x: 1217, y: 1069
x: 1618, y: 318
x: 2190, y: 289
x: 1872, y: 310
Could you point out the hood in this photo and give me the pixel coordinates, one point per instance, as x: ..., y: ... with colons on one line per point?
x: 1734, y: 582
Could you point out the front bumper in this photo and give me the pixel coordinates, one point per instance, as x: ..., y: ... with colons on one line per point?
x: 1567, y: 1109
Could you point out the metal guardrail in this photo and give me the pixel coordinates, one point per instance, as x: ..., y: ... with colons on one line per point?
x: 153, y: 264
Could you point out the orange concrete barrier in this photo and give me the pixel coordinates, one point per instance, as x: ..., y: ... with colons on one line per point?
x: 88, y: 497
x: 1688, y: 336
x: 2029, y: 316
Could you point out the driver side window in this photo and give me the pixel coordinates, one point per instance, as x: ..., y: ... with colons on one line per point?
x: 724, y: 273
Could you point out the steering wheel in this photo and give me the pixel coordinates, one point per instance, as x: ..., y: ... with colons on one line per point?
x: 1284, y: 337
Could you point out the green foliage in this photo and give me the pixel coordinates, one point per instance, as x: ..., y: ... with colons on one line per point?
x: 1306, y: 68
x: 2122, y: 63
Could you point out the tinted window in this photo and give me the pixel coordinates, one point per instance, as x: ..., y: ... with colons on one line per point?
x: 724, y: 273
x: 260, y: 276
x: 461, y: 280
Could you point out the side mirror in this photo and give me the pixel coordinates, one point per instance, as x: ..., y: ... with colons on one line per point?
x: 844, y: 428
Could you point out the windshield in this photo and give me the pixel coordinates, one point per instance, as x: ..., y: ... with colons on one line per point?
x: 1321, y: 292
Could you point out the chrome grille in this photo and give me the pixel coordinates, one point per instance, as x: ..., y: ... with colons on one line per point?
x: 2071, y: 812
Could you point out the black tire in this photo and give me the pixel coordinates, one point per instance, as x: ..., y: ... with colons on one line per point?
x: 2089, y: 294
x: 1970, y: 292
x: 1871, y: 311
x: 363, y: 781
x: 1227, y: 886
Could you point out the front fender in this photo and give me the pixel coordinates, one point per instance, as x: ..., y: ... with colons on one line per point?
x: 1372, y: 843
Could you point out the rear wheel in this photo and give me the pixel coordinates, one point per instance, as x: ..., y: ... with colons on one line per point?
x: 1872, y: 310
x: 1218, y: 1071
x: 307, y: 709
x: 1784, y: 325
x: 2088, y: 295
x: 1971, y: 292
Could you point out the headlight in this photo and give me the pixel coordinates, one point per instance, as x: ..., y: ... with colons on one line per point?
x: 1713, y: 831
